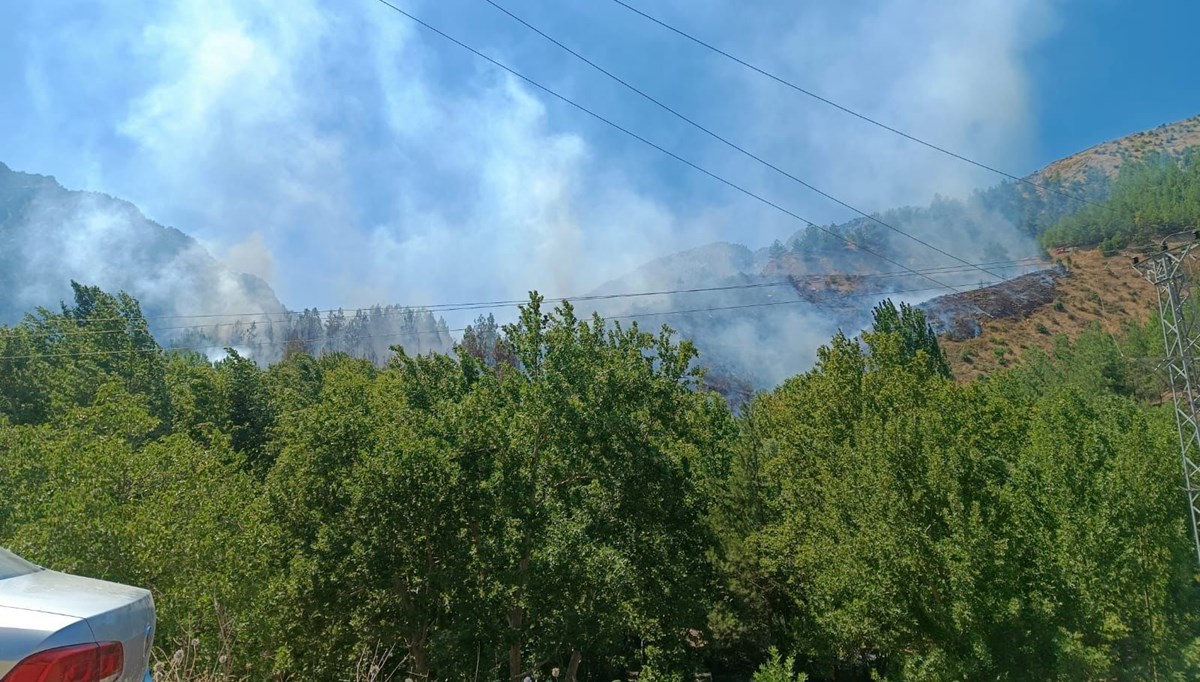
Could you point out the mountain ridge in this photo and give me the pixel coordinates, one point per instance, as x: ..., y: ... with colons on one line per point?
x: 52, y: 235
x: 775, y: 305
x: 831, y: 267
x: 1108, y: 156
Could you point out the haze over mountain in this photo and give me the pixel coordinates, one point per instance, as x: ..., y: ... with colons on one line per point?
x: 347, y: 156
x: 53, y: 236
x: 50, y: 235
x: 757, y: 312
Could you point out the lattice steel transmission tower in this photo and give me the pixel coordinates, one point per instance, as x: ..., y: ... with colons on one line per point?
x: 1165, y: 270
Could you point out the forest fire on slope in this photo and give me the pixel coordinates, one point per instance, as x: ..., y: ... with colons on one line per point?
x: 1026, y: 313
x: 959, y: 316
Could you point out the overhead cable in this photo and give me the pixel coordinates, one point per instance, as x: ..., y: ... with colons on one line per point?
x: 727, y: 142
x: 660, y: 148
x: 419, y: 332
x: 848, y: 110
x: 244, y: 319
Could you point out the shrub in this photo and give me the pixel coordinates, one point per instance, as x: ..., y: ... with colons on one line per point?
x: 778, y: 669
x: 1110, y: 247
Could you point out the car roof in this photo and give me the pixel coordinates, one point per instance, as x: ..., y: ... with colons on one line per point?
x: 12, y: 565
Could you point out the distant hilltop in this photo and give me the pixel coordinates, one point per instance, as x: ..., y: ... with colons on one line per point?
x: 50, y: 235
x: 1107, y: 157
x: 756, y: 312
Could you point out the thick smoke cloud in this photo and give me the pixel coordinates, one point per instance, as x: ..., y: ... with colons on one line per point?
x: 52, y: 236
x: 950, y: 73
x: 349, y: 159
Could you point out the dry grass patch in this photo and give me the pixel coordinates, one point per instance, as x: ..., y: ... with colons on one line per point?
x: 1099, y: 290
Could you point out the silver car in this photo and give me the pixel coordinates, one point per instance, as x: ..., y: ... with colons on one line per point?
x: 59, y: 627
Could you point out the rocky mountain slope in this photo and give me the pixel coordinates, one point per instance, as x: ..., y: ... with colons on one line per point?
x: 757, y: 313
x: 1087, y: 290
x: 1107, y: 157
x: 50, y: 235
x: 835, y: 276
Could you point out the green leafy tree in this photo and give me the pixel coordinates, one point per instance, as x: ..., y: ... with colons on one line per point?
x: 923, y: 530
x: 600, y: 442
x: 247, y: 412
x: 778, y: 669
x: 570, y: 497
x: 53, y: 361
x: 918, y: 342
x: 94, y: 492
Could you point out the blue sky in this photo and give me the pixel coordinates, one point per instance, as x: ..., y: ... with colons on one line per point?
x: 1114, y: 68
x: 350, y: 158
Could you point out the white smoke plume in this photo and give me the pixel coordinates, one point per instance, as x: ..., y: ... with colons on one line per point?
x: 350, y: 159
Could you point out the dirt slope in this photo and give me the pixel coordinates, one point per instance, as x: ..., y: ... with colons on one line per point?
x: 1093, y: 289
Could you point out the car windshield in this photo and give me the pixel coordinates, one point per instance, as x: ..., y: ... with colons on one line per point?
x: 12, y: 565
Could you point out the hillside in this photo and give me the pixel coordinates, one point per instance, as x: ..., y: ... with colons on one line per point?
x: 1107, y: 157
x: 775, y: 305
x: 762, y: 311
x: 50, y: 235
x: 837, y: 278
x: 1092, y: 290
x: 1155, y: 191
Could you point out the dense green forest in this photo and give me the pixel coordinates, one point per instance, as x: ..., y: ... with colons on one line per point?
x: 1147, y: 200
x: 561, y: 493
x: 1031, y: 208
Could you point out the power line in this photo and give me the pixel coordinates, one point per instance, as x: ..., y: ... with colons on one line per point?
x: 492, y: 305
x: 726, y: 141
x: 433, y: 307
x: 646, y: 141
x: 850, y: 111
x: 290, y: 317
x: 285, y: 342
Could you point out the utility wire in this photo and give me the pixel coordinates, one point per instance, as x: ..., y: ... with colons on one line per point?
x: 850, y: 111
x: 492, y: 305
x: 660, y: 148
x: 474, y: 305
x: 285, y: 342
x: 726, y: 141
x: 438, y: 307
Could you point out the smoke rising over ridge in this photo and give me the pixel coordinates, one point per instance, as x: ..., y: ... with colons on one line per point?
x: 51, y: 236
x: 349, y: 159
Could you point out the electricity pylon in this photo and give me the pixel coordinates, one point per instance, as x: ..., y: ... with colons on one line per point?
x: 1164, y: 269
